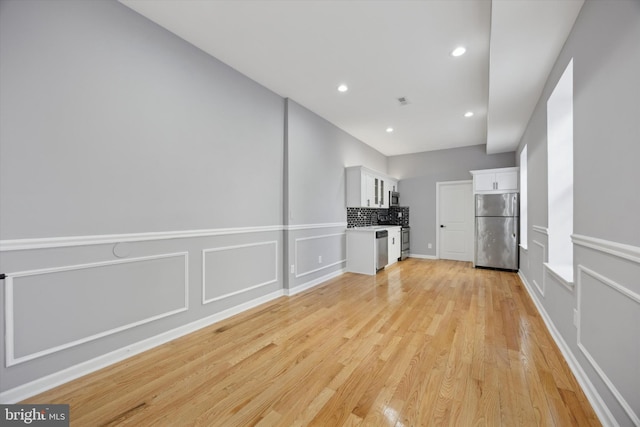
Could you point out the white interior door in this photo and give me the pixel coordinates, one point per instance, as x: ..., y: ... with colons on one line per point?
x: 455, y: 220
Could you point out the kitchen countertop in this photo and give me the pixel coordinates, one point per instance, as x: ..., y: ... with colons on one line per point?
x: 372, y: 227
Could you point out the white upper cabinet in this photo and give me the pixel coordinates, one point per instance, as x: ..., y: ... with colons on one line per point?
x: 367, y: 188
x: 503, y: 180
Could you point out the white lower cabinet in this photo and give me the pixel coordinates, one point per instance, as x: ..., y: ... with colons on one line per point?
x: 361, y: 250
x: 395, y: 244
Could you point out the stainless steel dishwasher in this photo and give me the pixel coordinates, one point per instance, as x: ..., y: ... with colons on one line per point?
x: 382, y: 249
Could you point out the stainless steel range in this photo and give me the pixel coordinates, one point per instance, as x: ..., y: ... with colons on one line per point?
x: 404, y: 248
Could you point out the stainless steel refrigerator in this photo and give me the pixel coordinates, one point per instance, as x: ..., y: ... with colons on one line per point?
x: 497, y: 231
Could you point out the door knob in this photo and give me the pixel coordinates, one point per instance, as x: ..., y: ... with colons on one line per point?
x: 442, y: 226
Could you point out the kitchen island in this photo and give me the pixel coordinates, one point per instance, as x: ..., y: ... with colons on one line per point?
x: 362, y: 251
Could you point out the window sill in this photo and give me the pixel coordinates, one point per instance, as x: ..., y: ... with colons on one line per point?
x: 563, y: 273
x: 524, y: 247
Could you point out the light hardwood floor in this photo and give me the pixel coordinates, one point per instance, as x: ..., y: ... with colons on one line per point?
x: 422, y: 343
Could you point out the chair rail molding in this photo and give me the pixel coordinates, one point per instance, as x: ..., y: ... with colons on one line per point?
x: 314, y: 226
x: 620, y: 250
x: 59, y: 242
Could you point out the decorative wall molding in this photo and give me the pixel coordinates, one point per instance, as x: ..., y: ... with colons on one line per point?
x: 40, y: 385
x: 306, y: 273
x: 269, y: 281
x: 625, y: 292
x: 314, y: 226
x: 559, y: 273
x: 544, y: 257
x: 605, y: 280
x: 323, y: 236
x: 59, y: 242
x: 620, y: 250
x: 10, y: 357
x: 313, y: 283
x: 542, y: 230
x: 599, y: 406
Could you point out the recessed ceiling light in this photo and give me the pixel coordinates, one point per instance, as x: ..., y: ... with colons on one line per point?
x: 343, y: 88
x: 468, y: 114
x: 458, y: 51
x: 389, y: 129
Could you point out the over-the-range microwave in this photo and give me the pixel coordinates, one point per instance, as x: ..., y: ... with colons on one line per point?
x: 394, y: 198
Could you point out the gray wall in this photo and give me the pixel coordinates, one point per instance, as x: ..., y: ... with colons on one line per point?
x: 418, y: 174
x: 317, y: 154
x: 110, y: 125
x: 603, y: 347
x: 145, y: 186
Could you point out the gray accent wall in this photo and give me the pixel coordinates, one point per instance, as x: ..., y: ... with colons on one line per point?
x: 112, y: 126
x: 419, y: 173
x: 317, y: 154
x: 595, y: 320
x: 146, y: 189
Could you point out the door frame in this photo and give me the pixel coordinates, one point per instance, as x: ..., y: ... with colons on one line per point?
x: 439, y: 184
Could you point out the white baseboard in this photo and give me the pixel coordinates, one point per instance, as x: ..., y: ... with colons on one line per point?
x: 422, y: 256
x: 313, y: 283
x: 602, y: 411
x: 50, y: 381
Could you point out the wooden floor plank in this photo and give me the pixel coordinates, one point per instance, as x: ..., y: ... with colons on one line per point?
x: 423, y: 342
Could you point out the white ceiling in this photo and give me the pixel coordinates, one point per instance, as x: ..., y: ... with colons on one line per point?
x: 386, y: 49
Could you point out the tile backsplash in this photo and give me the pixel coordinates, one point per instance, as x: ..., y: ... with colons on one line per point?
x: 399, y: 215
x: 363, y: 217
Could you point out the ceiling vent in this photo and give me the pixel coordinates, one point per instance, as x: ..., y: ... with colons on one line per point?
x: 403, y: 100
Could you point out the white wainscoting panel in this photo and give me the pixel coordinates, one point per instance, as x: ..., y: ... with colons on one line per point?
x: 313, y: 283
x: 332, y: 247
x: 232, y: 270
x: 541, y: 230
x: 609, y: 335
x: 599, y: 406
x: 538, y: 256
x: 52, y: 309
x: 55, y: 379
